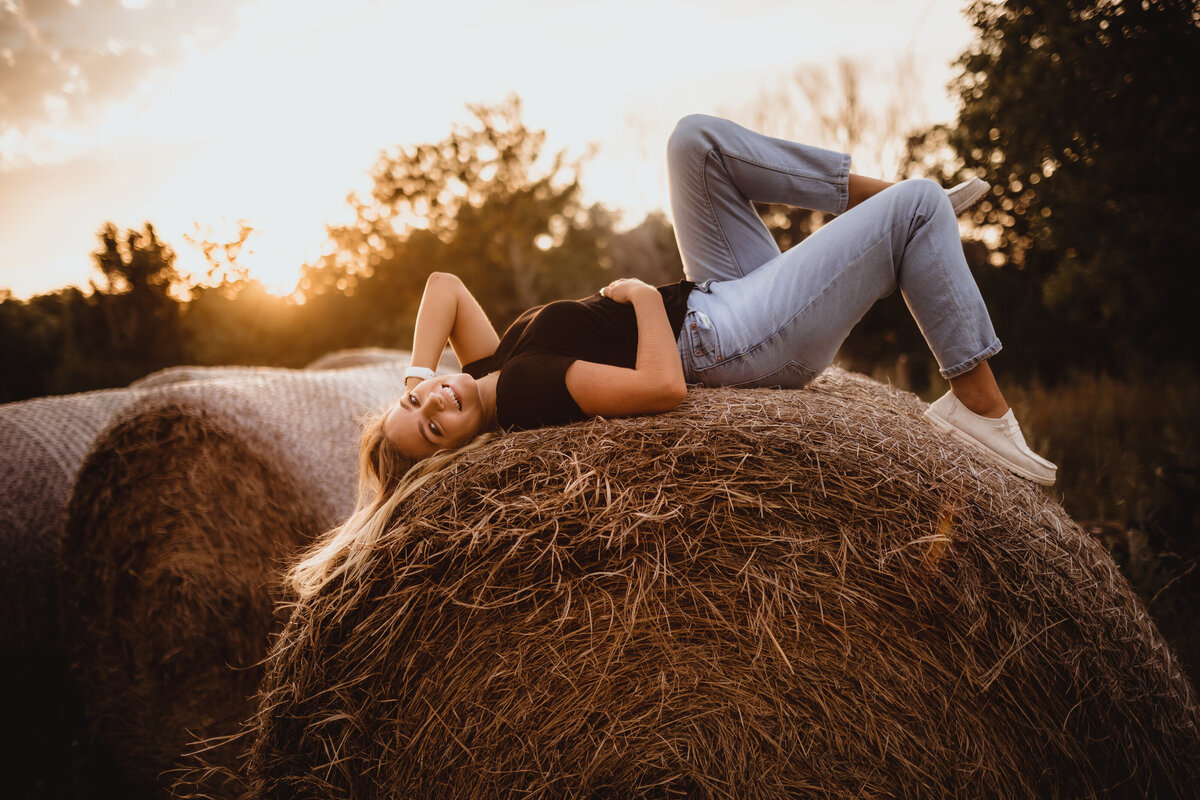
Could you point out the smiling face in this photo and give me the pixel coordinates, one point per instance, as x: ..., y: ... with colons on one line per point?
x: 440, y: 413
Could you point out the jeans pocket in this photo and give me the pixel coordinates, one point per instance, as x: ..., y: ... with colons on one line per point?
x: 704, y: 347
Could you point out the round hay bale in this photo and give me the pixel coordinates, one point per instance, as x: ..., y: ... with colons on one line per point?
x: 187, y: 373
x: 181, y: 520
x: 764, y: 594
x: 360, y: 356
x: 42, y: 444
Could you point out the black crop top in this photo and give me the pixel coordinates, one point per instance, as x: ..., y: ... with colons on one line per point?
x: 536, y: 350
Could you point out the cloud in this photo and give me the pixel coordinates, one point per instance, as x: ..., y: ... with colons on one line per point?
x: 61, y: 62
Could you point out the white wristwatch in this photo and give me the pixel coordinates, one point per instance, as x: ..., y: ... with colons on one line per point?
x: 424, y: 373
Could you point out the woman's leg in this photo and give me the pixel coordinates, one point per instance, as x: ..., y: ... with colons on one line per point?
x: 718, y: 169
x: 783, y: 323
x: 862, y: 188
x: 978, y: 391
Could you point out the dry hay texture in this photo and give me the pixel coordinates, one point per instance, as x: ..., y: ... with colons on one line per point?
x: 764, y: 594
x: 182, y: 518
x: 187, y: 373
x: 42, y: 445
x: 359, y: 357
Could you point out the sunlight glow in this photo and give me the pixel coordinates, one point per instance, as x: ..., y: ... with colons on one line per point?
x: 277, y: 124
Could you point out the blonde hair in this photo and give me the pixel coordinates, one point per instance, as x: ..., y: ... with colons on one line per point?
x: 386, y: 478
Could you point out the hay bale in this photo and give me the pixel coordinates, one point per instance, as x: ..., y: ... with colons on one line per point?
x: 187, y: 373
x: 181, y: 519
x: 360, y: 356
x: 764, y: 594
x: 42, y: 444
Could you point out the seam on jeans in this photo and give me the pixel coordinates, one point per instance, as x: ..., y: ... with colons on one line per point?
x: 955, y: 298
x: 843, y: 185
x: 713, y: 213
x: 839, y: 182
x: 704, y: 373
x: 941, y: 266
x: 970, y: 363
x: 890, y: 232
x: 783, y: 169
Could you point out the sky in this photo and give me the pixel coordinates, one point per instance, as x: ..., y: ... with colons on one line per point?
x: 196, y: 115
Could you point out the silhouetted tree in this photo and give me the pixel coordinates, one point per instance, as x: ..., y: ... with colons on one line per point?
x: 140, y: 316
x: 68, y: 341
x: 31, y: 343
x: 239, y: 322
x: 1084, y: 114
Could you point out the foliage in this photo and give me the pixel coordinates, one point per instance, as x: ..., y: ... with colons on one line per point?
x: 646, y: 251
x: 849, y: 105
x: 486, y: 203
x: 70, y: 341
x: 853, y: 108
x: 1084, y: 115
x: 139, y: 317
x: 29, y: 332
x: 242, y: 325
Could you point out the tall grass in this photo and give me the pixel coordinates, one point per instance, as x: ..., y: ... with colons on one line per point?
x: 1127, y: 450
x: 1129, y: 457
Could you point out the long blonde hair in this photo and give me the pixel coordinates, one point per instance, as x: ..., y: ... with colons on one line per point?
x: 386, y: 478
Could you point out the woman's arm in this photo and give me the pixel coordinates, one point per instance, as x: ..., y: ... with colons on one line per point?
x: 656, y: 382
x: 449, y: 313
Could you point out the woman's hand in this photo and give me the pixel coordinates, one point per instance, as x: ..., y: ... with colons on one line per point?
x: 656, y: 382
x: 624, y: 290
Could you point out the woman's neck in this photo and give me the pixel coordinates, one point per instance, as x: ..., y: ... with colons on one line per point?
x: 487, y: 394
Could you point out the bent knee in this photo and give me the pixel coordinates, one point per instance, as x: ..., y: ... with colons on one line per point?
x: 923, y: 190
x: 692, y: 134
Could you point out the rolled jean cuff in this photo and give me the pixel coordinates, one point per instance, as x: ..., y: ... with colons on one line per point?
x: 843, y: 185
x: 972, y: 362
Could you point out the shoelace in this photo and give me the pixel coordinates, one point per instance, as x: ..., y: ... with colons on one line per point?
x: 1012, y: 430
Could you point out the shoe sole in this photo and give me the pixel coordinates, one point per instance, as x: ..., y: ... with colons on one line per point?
x: 945, y: 427
x: 970, y: 197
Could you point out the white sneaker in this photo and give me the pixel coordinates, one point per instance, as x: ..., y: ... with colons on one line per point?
x: 967, y: 194
x: 1000, y: 439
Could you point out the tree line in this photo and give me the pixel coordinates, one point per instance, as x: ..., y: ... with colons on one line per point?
x: 1083, y: 116
x: 488, y: 203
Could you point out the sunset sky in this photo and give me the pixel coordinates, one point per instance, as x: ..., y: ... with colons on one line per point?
x: 270, y: 111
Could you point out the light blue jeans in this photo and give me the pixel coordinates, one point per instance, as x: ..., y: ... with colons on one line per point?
x: 760, y: 317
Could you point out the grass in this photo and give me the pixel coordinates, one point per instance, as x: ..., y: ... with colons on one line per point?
x: 1127, y: 450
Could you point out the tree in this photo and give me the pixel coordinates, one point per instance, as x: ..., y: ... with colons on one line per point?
x: 31, y: 340
x: 1084, y: 115
x: 646, y: 251
x: 486, y: 203
x: 134, y: 325
x: 225, y: 270
x: 69, y: 341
